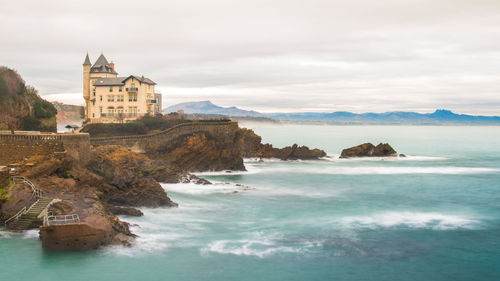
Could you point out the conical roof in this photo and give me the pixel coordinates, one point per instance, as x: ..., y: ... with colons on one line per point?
x: 87, y: 60
x: 101, y: 65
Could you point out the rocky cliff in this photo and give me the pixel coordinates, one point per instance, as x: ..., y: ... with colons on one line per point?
x: 113, y: 182
x: 202, y: 152
x: 21, y: 108
x: 251, y: 145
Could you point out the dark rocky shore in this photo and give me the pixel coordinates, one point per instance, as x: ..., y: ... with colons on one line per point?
x: 369, y: 150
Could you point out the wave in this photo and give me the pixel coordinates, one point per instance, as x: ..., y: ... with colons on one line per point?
x: 163, y: 228
x: 28, y: 234
x: 260, y: 160
x: 215, y: 187
x: 336, y: 158
x: 225, y: 173
x: 335, y: 170
x: 258, y: 244
x: 435, y: 221
x: 243, y: 247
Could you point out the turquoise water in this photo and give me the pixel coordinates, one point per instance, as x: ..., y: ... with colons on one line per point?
x: 432, y: 216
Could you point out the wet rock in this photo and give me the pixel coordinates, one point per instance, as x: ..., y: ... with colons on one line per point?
x: 126, y: 211
x: 251, y: 147
x: 369, y: 150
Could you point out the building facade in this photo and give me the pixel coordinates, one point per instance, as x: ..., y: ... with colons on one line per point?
x: 110, y: 98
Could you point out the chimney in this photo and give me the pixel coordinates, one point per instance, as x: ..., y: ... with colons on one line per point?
x: 112, y: 64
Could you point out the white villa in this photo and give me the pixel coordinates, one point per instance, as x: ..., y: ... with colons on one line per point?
x: 111, y: 99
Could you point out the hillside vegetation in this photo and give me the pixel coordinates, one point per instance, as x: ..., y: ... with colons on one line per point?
x: 21, y: 108
x: 145, y: 125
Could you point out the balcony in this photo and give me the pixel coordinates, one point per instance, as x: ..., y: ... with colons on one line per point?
x: 133, y: 89
x: 121, y: 115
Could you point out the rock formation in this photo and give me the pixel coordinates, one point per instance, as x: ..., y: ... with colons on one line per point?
x: 251, y: 146
x: 369, y: 150
x: 113, y: 182
x: 201, y: 152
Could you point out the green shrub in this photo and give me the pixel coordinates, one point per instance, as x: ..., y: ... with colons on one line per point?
x: 114, y: 129
x: 44, y: 109
x: 30, y: 123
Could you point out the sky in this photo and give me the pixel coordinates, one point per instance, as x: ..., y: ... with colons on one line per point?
x: 271, y: 55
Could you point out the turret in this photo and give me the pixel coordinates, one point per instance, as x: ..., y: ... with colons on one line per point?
x: 86, y: 84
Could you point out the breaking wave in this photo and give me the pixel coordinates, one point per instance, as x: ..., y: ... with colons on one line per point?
x: 336, y: 170
x: 335, y: 158
x: 258, y: 245
x: 191, y: 188
x: 435, y: 221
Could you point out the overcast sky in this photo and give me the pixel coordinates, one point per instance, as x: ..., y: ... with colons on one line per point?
x: 271, y: 55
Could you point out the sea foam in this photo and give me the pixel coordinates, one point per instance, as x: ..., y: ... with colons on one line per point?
x: 215, y: 187
x: 435, y: 221
x: 374, y: 170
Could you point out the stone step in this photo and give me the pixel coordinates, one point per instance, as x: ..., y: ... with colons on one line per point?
x: 27, y: 219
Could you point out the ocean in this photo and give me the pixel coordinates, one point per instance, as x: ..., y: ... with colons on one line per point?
x: 434, y: 215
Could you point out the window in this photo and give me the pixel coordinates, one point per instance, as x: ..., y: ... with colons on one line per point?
x: 119, y: 110
x: 119, y: 98
x: 100, y: 98
x: 111, y: 111
x: 111, y: 98
x: 93, y: 115
x: 111, y: 88
x: 132, y: 111
x: 100, y: 109
x: 132, y: 97
x: 93, y: 102
x: 120, y: 89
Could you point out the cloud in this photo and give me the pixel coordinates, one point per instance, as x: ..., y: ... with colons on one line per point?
x: 272, y: 55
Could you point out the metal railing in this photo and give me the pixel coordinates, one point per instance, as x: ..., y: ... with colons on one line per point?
x: 37, y: 193
x: 16, y: 216
x: 61, y: 219
x: 20, y: 213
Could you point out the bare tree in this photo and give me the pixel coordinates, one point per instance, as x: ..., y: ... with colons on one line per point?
x: 9, y: 121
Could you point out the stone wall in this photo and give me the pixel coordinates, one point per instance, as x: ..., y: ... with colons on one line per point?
x: 15, y: 148
x: 4, y: 176
x: 223, y: 131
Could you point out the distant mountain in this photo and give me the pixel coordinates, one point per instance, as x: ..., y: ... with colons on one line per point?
x: 207, y: 107
x: 439, y: 117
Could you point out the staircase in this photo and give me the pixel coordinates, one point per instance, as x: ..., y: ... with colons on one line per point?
x: 26, y: 220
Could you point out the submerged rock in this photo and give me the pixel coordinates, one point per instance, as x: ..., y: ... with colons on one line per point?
x: 369, y: 150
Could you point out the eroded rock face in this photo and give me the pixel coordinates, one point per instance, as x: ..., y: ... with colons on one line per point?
x: 369, y: 150
x: 251, y: 146
x: 129, y: 178
x: 126, y: 211
x: 200, y: 152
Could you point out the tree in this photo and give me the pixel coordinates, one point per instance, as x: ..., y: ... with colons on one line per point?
x: 9, y: 122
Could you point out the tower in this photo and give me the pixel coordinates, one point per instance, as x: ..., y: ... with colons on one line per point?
x: 86, y: 84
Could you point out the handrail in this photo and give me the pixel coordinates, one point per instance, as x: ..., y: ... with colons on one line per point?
x: 17, y: 215
x: 37, y: 193
x: 166, y: 131
x: 61, y: 219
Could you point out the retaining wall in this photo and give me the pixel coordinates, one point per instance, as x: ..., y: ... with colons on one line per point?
x: 15, y: 148
x: 224, y: 131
